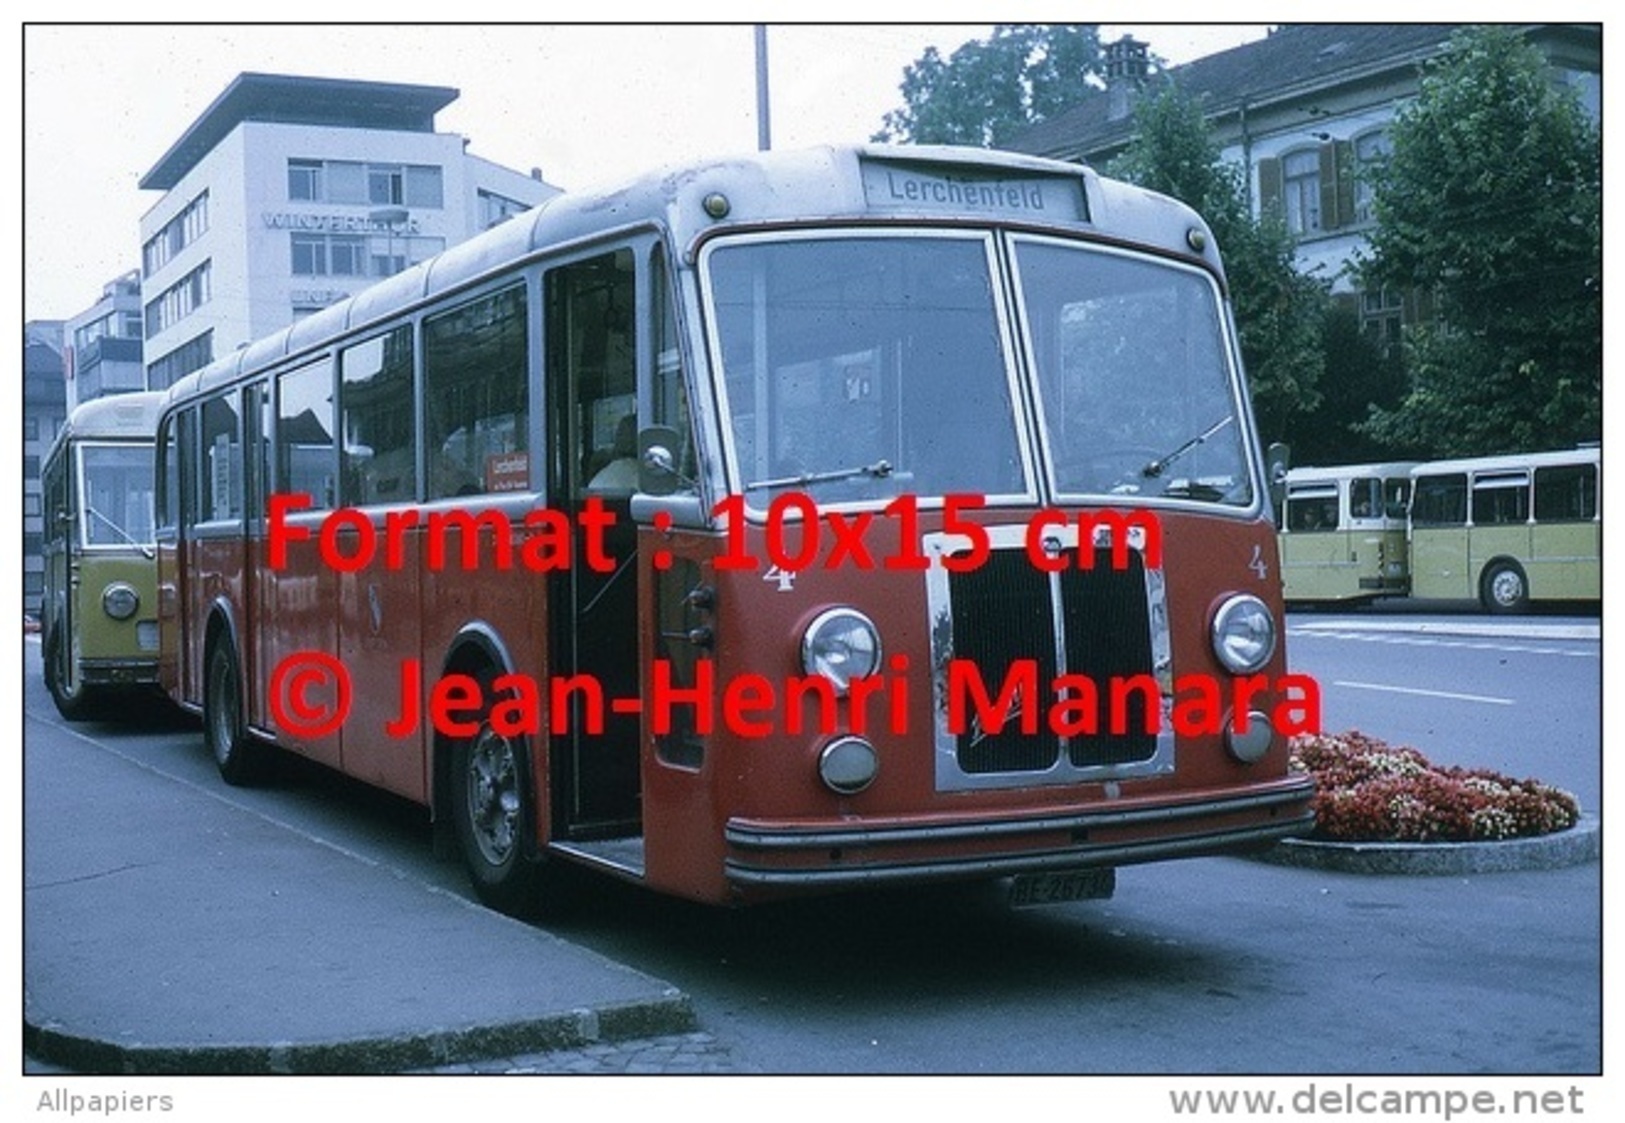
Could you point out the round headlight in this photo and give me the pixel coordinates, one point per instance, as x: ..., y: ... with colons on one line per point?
x: 841, y: 644
x: 120, y: 601
x: 1243, y: 634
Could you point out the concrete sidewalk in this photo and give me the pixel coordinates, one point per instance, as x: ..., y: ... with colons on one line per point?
x: 168, y: 931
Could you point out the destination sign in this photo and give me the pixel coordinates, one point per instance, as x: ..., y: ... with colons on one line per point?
x: 904, y: 187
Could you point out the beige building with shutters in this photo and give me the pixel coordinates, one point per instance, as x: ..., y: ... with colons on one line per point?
x: 1302, y: 110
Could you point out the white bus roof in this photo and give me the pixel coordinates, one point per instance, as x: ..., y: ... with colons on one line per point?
x: 1384, y: 469
x: 129, y: 416
x: 1590, y: 454
x: 850, y: 184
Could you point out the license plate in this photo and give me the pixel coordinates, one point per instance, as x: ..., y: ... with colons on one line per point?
x: 1032, y: 889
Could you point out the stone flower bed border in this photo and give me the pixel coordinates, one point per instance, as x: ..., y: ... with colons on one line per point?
x: 1384, y: 809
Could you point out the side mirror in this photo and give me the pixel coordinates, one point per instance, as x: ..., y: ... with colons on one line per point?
x: 1276, y: 459
x: 657, y: 462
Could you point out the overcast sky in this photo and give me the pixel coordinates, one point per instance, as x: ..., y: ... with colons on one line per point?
x: 103, y: 103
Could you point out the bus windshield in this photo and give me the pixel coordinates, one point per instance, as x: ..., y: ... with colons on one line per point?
x: 863, y: 367
x: 859, y: 367
x: 118, y: 495
x: 1133, y: 379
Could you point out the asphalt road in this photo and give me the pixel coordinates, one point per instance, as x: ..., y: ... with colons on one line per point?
x: 1205, y: 966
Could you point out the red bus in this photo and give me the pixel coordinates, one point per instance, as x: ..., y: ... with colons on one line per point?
x: 798, y: 522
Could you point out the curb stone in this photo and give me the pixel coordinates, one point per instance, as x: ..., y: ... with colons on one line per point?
x: 1579, y: 844
x: 671, y: 1014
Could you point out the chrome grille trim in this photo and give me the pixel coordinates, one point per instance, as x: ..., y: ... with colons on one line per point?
x: 952, y: 773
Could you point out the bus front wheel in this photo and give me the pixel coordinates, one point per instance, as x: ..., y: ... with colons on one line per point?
x: 74, y: 704
x: 1505, y: 588
x: 491, y: 810
x: 240, y: 759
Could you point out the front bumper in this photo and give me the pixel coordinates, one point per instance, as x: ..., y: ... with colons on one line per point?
x: 834, y: 854
x: 119, y: 672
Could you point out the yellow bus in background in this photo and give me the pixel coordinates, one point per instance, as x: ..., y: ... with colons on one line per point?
x: 99, y: 611
x: 1508, y: 530
x: 1343, y: 532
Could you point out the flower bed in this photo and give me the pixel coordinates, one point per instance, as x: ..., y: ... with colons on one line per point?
x: 1370, y: 791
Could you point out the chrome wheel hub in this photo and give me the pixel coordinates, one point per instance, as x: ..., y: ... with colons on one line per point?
x: 493, y: 796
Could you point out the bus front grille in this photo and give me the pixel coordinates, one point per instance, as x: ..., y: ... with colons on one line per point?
x: 1013, y: 628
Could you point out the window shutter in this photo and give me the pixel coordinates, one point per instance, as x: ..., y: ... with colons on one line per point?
x: 1331, y: 194
x: 1270, y: 186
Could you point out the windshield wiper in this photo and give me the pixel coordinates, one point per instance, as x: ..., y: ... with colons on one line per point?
x: 1155, y: 468
x: 146, y: 550
x: 879, y: 470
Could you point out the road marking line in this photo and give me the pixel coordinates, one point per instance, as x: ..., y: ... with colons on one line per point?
x: 1425, y: 693
x: 1412, y: 641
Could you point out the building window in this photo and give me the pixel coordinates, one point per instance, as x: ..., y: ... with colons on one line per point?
x: 1382, y: 315
x: 386, y: 186
x: 180, y: 300
x: 305, y: 181
x: 309, y: 255
x: 346, y: 181
x: 379, y: 185
x: 31, y: 505
x: 496, y: 209
x: 178, y: 233
x: 347, y: 256
x: 1300, y: 177
x: 1370, y: 151
x: 192, y: 355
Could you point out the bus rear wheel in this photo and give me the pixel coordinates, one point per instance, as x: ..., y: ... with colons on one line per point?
x: 492, y: 814
x: 1505, y: 588
x: 240, y: 759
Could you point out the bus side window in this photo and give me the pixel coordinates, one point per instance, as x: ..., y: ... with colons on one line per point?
x: 1440, y: 501
x: 1566, y: 493
x: 375, y: 401
x: 670, y: 391
x: 304, y: 434
x: 475, y: 365
x: 221, y: 478
x: 1311, y: 512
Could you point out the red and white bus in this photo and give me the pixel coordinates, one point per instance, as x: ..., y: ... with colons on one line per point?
x: 797, y: 522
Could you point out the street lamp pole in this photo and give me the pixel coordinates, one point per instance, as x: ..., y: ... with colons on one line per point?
x: 764, y: 131
x: 389, y: 218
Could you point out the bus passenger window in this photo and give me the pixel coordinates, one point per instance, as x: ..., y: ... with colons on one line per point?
x: 375, y: 396
x: 474, y: 374
x: 304, y: 434
x: 221, y: 480
x: 1566, y: 493
x: 1312, y: 511
x: 1440, y: 501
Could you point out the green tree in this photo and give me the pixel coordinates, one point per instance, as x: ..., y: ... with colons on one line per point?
x: 1279, y: 311
x: 1491, y: 201
x: 990, y: 89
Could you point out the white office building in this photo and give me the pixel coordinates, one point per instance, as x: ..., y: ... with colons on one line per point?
x: 289, y: 194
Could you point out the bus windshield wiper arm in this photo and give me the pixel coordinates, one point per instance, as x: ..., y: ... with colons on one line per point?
x: 879, y: 470
x: 146, y: 550
x: 1155, y: 468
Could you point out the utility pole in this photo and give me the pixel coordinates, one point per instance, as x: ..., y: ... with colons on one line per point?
x: 764, y: 129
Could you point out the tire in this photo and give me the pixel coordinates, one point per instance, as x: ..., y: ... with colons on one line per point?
x: 493, y: 815
x: 1505, y: 589
x: 83, y: 704
x: 240, y: 759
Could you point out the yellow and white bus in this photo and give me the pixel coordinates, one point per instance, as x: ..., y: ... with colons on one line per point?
x: 99, y: 612
x: 1508, y: 530
x: 1343, y: 532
